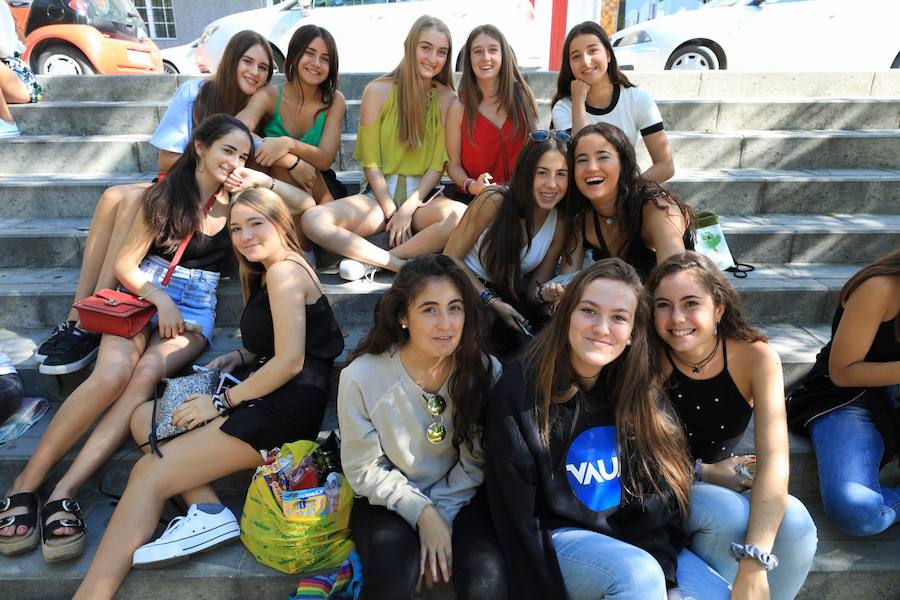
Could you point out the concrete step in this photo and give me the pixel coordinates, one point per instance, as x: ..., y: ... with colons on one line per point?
x: 661, y: 84
x: 36, y: 298
x: 774, y: 293
x: 867, y: 566
x: 726, y: 191
x: 56, y: 117
x: 821, y: 149
x: 797, y: 346
x: 759, y: 238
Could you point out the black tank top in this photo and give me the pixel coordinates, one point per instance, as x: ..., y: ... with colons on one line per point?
x: 638, y: 255
x: 713, y: 411
x: 324, y: 340
x: 207, y: 252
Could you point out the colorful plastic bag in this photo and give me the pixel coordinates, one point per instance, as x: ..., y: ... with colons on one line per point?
x: 298, y: 544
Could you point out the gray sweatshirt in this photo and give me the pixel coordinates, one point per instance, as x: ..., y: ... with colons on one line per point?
x: 384, y: 452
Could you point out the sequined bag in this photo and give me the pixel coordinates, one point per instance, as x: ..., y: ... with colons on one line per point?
x: 177, y: 390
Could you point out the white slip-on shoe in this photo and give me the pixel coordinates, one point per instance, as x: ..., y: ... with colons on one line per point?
x: 199, y: 531
x: 351, y: 270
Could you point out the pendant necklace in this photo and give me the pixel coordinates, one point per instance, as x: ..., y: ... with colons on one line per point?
x: 696, y: 367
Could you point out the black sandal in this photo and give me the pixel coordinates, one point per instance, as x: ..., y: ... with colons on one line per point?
x: 16, y: 544
x: 62, y: 547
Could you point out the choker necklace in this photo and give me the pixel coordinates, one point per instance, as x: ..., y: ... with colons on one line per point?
x: 696, y: 367
x: 609, y: 220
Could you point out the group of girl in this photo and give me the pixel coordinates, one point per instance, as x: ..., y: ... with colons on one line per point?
x: 586, y: 442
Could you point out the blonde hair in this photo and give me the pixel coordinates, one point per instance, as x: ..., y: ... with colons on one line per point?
x: 410, y: 95
x: 272, y: 207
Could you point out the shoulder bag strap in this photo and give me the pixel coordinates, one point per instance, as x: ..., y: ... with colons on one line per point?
x: 183, y: 245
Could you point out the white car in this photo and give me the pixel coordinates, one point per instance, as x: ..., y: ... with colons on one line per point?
x: 767, y: 35
x: 180, y: 59
x: 370, y: 33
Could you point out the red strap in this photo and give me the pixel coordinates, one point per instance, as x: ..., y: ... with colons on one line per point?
x: 183, y: 245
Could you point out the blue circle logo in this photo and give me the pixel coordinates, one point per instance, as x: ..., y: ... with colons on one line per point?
x: 592, y: 468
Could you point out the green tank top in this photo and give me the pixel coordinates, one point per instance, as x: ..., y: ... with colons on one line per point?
x: 275, y: 126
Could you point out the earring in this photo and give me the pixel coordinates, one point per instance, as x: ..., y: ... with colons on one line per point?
x: 402, y: 325
x: 628, y: 343
x: 716, y: 328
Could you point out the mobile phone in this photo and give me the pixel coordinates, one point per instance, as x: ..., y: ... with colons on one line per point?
x: 524, y: 328
x: 435, y: 192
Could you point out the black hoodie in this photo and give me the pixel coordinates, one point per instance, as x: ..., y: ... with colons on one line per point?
x: 577, y: 483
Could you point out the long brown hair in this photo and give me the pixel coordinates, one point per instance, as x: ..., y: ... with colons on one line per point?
x: 513, y: 94
x: 732, y: 325
x: 300, y: 41
x: 566, y: 76
x: 886, y: 266
x: 470, y: 384
x: 632, y: 191
x: 272, y: 207
x: 222, y: 94
x: 505, y: 237
x: 172, y: 207
x: 651, y: 440
x: 410, y: 95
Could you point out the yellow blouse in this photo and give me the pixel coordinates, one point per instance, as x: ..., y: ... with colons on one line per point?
x: 378, y: 143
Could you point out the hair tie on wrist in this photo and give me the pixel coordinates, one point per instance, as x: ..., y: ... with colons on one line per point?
x: 293, y: 166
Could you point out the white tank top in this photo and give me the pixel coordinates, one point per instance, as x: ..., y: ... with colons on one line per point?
x: 529, y: 260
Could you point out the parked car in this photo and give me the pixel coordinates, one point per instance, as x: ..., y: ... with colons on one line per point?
x: 180, y: 59
x: 370, y: 33
x: 767, y: 35
x: 84, y: 37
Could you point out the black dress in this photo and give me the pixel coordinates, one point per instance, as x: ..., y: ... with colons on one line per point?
x: 295, y: 410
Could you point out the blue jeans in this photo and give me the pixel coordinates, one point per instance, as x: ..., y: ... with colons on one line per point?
x: 719, y: 516
x: 848, y: 451
x: 597, y: 566
x: 192, y: 290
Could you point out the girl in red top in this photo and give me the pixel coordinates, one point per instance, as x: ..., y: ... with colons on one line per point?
x: 489, y: 122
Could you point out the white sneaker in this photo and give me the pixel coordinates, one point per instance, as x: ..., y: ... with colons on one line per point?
x: 199, y: 531
x: 351, y: 270
x: 8, y: 130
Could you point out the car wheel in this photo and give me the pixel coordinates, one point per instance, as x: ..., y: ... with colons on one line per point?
x: 693, y: 58
x: 169, y: 68
x: 279, y: 60
x: 63, y: 60
x: 896, y: 63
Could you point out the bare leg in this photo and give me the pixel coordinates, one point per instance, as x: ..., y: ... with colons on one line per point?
x: 140, y: 432
x: 12, y: 91
x: 161, y: 358
x: 341, y: 227
x: 211, y: 455
x: 127, y: 210
x: 97, y: 249
x: 115, y: 364
x: 433, y: 223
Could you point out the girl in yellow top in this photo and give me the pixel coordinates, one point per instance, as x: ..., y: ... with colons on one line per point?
x: 400, y: 145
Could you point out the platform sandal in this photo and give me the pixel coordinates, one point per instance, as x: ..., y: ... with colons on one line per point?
x: 16, y: 544
x: 62, y: 547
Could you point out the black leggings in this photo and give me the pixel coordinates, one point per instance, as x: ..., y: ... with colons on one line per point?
x: 389, y: 549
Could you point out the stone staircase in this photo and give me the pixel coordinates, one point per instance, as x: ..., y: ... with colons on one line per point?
x: 803, y: 169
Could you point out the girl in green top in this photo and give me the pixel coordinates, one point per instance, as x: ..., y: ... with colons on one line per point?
x: 400, y: 145
x: 304, y: 116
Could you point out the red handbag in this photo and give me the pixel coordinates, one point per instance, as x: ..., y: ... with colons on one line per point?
x: 122, y: 313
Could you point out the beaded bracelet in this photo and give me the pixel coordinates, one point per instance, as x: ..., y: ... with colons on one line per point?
x: 487, y: 295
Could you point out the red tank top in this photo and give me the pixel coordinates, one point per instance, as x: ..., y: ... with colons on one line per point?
x: 491, y: 150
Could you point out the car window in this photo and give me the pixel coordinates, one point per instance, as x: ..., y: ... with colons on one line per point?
x: 113, y: 10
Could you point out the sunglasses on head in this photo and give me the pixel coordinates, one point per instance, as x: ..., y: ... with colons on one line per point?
x: 539, y: 135
x: 436, y: 405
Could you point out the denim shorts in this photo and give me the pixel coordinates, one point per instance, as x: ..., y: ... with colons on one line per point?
x: 192, y: 290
